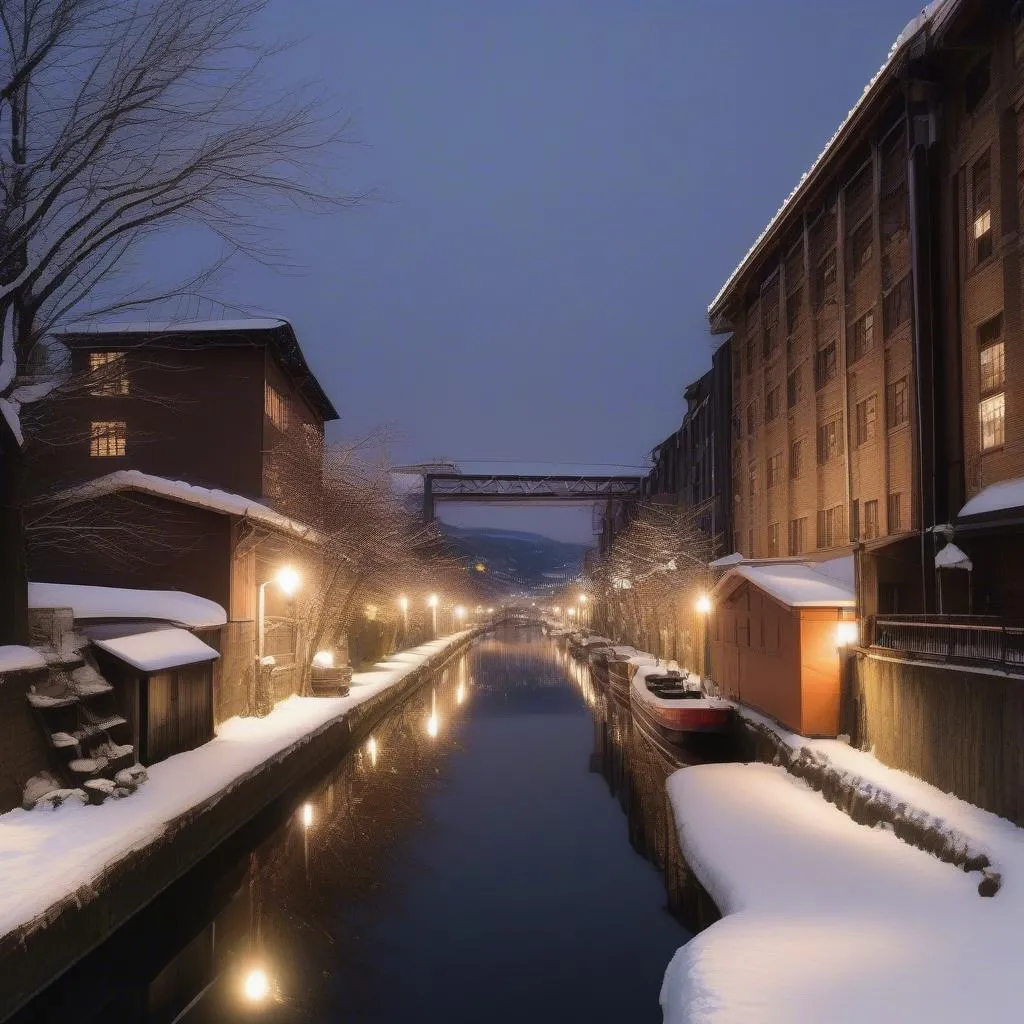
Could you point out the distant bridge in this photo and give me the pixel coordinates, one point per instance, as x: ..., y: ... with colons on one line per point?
x: 498, y: 488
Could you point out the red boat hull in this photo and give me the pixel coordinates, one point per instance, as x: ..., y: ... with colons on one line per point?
x: 690, y: 719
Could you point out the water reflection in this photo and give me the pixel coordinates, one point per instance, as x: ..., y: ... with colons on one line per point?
x: 461, y: 864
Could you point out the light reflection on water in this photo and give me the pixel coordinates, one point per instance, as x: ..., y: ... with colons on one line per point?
x: 464, y: 863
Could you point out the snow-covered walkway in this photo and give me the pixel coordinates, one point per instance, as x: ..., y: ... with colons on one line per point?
x: 47, y: 855
x: 828, y: 920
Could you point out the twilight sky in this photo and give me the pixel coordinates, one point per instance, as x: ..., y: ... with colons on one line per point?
x: 564, y: 186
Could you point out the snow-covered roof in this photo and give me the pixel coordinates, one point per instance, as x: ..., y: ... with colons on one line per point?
x: 15, y: 658
x: 800, y: 584
x: 117, y: 603
x: 192, y: 494
x: 929, y: 16
x: 726, y: 560
x: 951, y: 557
x: 175, y: 326
x: 1005, y: 495
x: 159, y: 649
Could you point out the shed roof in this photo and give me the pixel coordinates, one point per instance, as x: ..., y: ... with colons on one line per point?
x: 120, y: 603
x: 276, y: 332
x: 797, y: 584
x: 159, y: 649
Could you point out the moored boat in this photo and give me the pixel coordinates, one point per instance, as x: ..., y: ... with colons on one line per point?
x: 677, y: 702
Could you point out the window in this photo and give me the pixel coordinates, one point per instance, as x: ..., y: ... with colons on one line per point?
x: 795, y: 457
x: 992, y: 415
x: 893, y: 215
x: 772, y: 402
x: 981, y: 207
x: 860, y: 249
x: 830, y: 440
x: 794, y: 387
x: 275, y: 407
x: 770, y: 326
x: 797, y: 536
x: 825, y: 365
x: 863, y: 339
x: 831, y: 526
x: 825, y: 280
x: 991, y: 354
x: 775, y: 469
x: 752, y: 417
x: 773, y: 540
x: 870, y: 520
x: 897, y: 403
x: 896, y: 307
x: 976, y: 85
x: 107, y: 438
x: 895, y: 513
x: 794, y: 308
x: 109, y: 369
x: 866, y: 415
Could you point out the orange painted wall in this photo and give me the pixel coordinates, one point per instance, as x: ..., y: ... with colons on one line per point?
x: 819, y: 672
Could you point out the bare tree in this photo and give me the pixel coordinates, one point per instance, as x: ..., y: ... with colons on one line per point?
x: 648, y: 580
x: 119, y: 119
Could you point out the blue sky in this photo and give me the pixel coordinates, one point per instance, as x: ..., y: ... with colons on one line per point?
x: 562, y: 188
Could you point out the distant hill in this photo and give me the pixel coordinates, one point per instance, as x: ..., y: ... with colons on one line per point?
x: 519, y: 560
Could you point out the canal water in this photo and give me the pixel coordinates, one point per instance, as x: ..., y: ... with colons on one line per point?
x: 493, y: 852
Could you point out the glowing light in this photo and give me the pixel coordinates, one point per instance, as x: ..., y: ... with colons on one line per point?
x: 433, y: 725
x: 846, y: 633
x: 432, y: 601
x: 583, y: 598
x: 324, y: 659
x: 480, y: 567
x: 256, y: 985
x: 307, y: 815
x: 556, y: 609
x: 703, y: 604
x: 460, y: 694
x: 490, y: 611
x: 403, y: 603
x: 571, y: 612
x: 288, y: 580
x: 460, y: 612
x: 371, y: 612
x: 371, y: 749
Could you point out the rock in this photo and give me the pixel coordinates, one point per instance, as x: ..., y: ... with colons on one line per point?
x: 37, y: 787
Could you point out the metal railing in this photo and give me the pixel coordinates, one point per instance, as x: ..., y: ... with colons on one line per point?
x: 962, y: 638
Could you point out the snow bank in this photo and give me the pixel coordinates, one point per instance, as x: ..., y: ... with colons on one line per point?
x: 159, y: 649
x: 117, y: 603
x: 825, y: 919
x: 45, y: 857
x: 15, y: 658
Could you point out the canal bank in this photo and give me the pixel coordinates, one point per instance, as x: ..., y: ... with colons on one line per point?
x: 71, y: 877
x: 467, y: 861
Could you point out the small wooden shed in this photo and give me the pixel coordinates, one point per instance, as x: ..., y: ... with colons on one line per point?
x: 164, y: 680
x: 777, y: 632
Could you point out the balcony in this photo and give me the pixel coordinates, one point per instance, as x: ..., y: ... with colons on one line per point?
x: 961, y: 639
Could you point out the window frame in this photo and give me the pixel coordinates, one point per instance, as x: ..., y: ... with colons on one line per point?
x: 105, y: 435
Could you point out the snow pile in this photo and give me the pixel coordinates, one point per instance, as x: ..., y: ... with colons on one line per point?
x: 15, y: 658
x: 825, y: 919
x: 117, y: 603
x: 952, y: 557
x: 1000, y: 497
x: 159, y: 649
x: 190, y: 494
x: 47, y: 856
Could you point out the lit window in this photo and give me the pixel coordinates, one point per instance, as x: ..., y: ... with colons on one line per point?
x: 276, y: 407
x: 991, y: 413
x: 981, y: 187
x: 108, y: 369
x: 107, y: 438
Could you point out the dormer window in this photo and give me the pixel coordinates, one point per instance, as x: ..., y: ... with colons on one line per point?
x: 109, y: 370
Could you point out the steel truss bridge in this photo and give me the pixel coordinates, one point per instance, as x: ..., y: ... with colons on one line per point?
x: 499, y: 488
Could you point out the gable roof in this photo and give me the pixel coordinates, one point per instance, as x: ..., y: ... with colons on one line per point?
x: 275, y: 332
x: 797, y: 584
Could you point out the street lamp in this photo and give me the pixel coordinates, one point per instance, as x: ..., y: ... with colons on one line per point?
x: 703, y: 608
x: 256, y: 986
x: 703, y: 605
x: 432, y: 605
x: 460, y: 613
x: 403, y: 603
x: 288, y: 580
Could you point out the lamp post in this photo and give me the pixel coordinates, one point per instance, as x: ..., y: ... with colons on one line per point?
x: 703, y: 607
x: 432, y: 605
x: 584, y: 617
x: 288, y: 580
